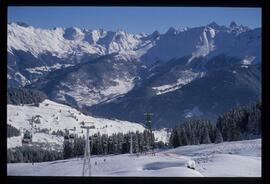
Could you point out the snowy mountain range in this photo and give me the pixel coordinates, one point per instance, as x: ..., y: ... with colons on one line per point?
x: 201, y: 71
x: 68, y: 46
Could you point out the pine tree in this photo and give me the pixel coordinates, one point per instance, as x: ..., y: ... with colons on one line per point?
x: 175, y: 139
x: 183, y: 137
x: 205, y: 137
x: 78, y: 148
x: 219, y: 138
x: 67, y: 150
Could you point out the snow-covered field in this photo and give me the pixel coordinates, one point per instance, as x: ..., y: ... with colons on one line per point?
x: 54, y: 116
x: 229, y: 159
x: 238, y: 158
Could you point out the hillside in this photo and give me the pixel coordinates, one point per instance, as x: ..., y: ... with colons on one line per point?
x: 51, y: 117
x: 230, y: 159
x: 193, y: 72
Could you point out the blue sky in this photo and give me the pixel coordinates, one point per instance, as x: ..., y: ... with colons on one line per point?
x: 133, y: 19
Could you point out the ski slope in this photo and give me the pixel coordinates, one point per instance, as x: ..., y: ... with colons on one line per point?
x: 229, y: 159
x: 54, y: 116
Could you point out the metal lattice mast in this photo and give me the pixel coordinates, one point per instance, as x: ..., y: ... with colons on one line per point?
x: 131, y: 142
x: 148, y: 120
x: 148, y: 124
x: 87, y: 153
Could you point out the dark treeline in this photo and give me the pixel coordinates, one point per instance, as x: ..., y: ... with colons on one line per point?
x: 17, y: 96
x: 193, y: 131
x: 100, y: 145
x: 115, y: 144
x: 32, y: 154
x: 12, y: 131
x: 240, y: 123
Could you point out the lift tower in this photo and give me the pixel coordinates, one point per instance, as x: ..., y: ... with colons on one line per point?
x: 87, y: 153
x: 131, y: 144
x: 148, y: 122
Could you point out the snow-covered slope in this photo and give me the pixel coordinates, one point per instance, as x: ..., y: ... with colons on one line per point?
x: 90, y: 83
x: 185, y: 77
x: 144, y: 165
x: 229, y: 159
x: 198, y: 94
x: 63, y: 46
x: 63, y: 42
x: 34, y: 52
x: 199, y: 41
x: 234, y: 159
x: 53, y: 116
x: 44, y: 140
x: 206, y: 41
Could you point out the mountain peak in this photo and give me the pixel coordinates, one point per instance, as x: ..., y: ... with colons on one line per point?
x: 22, y: 24
x: 71, y: 33
x: 213, y: 25
x: 122, y: 31
x: 233, y: 24
x: 237, y: 28
x: 183, y: 29
x: 155, y: 33
x: 171, y: 30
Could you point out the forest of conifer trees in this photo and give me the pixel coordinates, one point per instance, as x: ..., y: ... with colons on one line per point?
x: 115, y: 144
x: 239, y: 123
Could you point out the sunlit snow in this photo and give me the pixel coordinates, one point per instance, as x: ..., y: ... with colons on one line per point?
x: 53, y: 116
x: 228, y: 159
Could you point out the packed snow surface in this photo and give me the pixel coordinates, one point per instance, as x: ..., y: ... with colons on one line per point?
x: 238, y: 158
x: 228, y: 159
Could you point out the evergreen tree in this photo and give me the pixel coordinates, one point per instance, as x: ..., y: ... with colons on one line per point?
x: 219, y: 138
x: 183, y: 137
x: 18, y: 96
x: 78, y: 149
x: 12, y: 131
x: 67, y: 150
x: 175, y: 139
x: 240, y: 123
x: 205, y: 137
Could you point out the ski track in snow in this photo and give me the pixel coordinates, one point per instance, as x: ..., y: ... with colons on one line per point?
x: 228, y: 159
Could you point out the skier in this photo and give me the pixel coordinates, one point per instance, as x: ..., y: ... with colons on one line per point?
x: 104, y: 160
x: 95, y: 163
